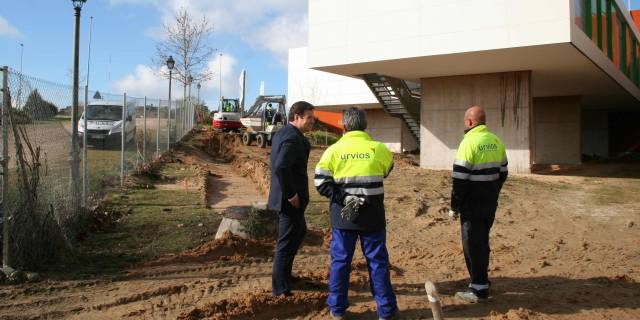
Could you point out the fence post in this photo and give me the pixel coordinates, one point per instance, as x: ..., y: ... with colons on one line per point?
x: 5, y: 167
x: 158, y: 130
x: 169, y: 125
x: 85, y: 165
x: 123, y: 132
x: 326, y: 140
x: 144, y: 132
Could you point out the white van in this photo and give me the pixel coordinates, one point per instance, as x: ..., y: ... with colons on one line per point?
x: 104, y: 123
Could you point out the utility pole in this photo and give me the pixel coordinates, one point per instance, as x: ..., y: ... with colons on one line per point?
x: 5, y: 168
x: 220, y: 76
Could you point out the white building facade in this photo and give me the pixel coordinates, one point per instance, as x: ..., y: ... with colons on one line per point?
x: 551, y: 74
x: 331, y: 93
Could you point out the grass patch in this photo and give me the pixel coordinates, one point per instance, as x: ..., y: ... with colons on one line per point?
x: 179, y: 171
x: 322, y: 138
x: 158, y: 222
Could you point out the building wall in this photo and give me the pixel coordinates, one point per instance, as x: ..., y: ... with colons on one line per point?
x: 341, y: 32
x: 557, y: 130
x: 323, y: 88
x: 502, y: 95
x: 409, y: 143
x: 385, y: 129
x: 595, y: 133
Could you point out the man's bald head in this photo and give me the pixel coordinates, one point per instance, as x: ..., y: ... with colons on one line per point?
x: 474, y: 116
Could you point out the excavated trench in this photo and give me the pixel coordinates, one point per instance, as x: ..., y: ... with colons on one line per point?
x: 235, y: 178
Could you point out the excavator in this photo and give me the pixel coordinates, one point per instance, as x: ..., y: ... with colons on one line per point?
x: 227, y: 118
x: 267, y: 115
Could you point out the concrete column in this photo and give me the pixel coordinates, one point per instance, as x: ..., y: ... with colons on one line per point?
x: 506, y: 97
x: 557, y: 130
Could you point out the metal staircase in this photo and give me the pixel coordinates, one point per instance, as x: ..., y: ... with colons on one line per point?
x: 397, y: 99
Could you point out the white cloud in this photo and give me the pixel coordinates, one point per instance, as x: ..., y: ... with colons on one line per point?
x: 7, y: 30
x: 144, y: 81
x: 281, y: 34
x: 147, y: 81
x: 230, y: 75
x: 273, y: 25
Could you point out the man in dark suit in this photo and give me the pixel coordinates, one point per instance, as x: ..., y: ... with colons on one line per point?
x: 289, y: 191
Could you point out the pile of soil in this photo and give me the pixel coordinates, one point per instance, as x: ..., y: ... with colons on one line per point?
x: 227, y: 248
x: 259, y: 306
x: 218, y: 145
x: 518, y: 314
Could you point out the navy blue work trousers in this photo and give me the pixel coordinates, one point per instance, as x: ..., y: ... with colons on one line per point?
x: 373, y: 244
x: 475, y: 226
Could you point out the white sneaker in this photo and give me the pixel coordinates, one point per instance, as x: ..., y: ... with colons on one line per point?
x: 472, y: 295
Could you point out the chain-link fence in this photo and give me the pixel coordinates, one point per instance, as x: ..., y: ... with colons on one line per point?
x: 117, y: 135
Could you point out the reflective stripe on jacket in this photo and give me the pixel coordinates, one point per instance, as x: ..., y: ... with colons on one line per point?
x: 355, y: 165
x: 479, y: 170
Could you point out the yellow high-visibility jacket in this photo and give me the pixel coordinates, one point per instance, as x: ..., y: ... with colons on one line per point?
x: 355, y: 165
x: 479, y: 171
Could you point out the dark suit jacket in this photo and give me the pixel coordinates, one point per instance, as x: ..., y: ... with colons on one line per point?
x: 289, y: 157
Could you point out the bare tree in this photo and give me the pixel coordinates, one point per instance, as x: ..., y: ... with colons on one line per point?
x: 187, y: 41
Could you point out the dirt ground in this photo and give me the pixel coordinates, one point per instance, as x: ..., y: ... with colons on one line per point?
x: 564, y: 246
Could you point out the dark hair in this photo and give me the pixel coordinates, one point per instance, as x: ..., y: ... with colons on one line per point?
x: 354, y: 118
x: 299, y: 108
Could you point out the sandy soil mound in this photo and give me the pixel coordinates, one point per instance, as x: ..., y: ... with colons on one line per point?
x: 228, y: 248
x: 519, y: 314
x: 259, y: 306
x: 220, y: 146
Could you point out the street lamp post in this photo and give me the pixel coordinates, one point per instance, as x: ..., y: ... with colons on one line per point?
x: 75, y: 156
x: 170, y: 64
x: 198, y: 102
x: 220, y: 77
x: 199, y: 86
x: 187, y: 111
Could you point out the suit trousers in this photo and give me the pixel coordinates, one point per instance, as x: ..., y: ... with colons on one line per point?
x: 292, y: 228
